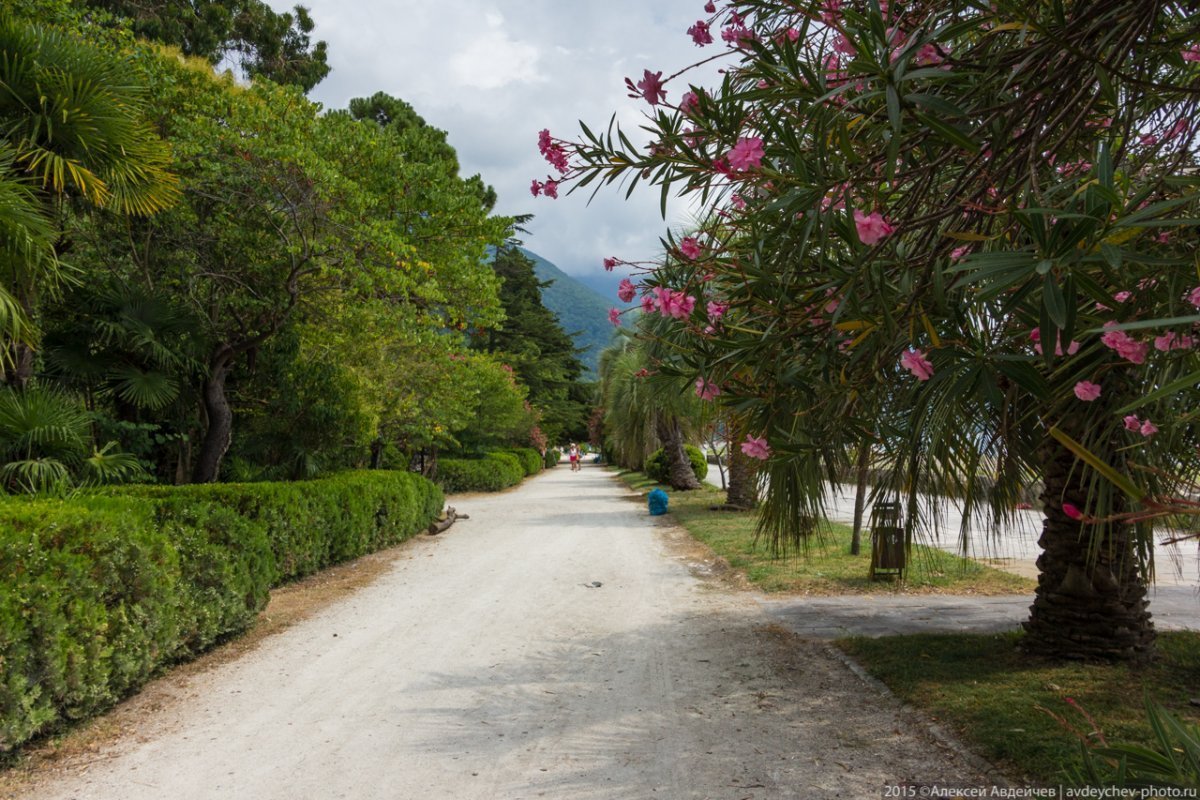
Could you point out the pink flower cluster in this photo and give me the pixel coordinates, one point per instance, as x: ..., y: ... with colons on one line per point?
x: 549, y: 188
x: 626, y: 290
x: 716, y: 310
x: 614, y: 316
x: 706, y: 389
x: 1126, y: 346
x: 552, y: 151
x: 915, y: 362
x: 690, y: 248
x: 609, y: 263
x: 1192, y: 53
x: 747, y: 154
x: 1193, y: 297
x: 670, y: 303
x: 700, y: 33
x: 1174, y: 341
x: 1087, y: 391
x: 872, y: 228
x: 756, y: 447
x: 1144, y: 427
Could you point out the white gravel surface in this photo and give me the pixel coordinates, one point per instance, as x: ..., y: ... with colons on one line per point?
x: 483, y: 664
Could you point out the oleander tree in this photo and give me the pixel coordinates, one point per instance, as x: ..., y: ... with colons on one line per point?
x: 962, y: 230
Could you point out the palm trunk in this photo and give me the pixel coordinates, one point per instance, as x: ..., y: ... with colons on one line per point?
x: 863, y: 467
x: 219, y: 432
x: 679, y: 468
x: 1085, y: 608
x: 743, y: 474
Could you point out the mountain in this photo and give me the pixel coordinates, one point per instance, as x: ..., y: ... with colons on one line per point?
x: 582, y: 311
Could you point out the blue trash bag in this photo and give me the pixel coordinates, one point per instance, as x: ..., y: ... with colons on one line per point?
x: 657, y: 500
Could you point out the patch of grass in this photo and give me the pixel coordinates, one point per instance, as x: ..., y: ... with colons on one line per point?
x: 825, y: 566
x: 1001, y: 701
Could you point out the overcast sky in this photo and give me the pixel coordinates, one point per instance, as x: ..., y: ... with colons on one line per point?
x: 492, y: 74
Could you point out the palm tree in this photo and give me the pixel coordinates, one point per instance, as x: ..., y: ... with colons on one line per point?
x: 71, y: 126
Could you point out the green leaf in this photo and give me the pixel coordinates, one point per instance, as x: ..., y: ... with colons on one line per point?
x: 1186, y: 383
x: 1088, y: 457
x: 1052, y: 299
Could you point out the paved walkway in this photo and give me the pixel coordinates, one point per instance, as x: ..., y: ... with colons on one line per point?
x: 1174, y: 608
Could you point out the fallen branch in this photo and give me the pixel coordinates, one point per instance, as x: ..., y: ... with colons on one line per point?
x: 445, y: 520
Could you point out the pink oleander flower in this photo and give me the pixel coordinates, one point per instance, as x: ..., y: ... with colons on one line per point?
x: 609, y: 263
x: 535, y: 188
x: 1126, y: 346
x: 614, y: 316
x: 1193, y: 297
x: 700, y: 34
x: 960, y: 252
x: 915, y: 362
x: 706, y: 389
x: 1148, y: 428
x: 929, y: 55
x: 717, y: 310
x: 690, y: 248
x: 1192, y: 53
x: 682, y: 305
x: 710, y: 7
x: 550, y: 189
x: 647, y: 303
x: 689, y: 103
x: 651, y: 89
x: 1072, y: 511
x: 746, y: 154
x: 1087, y: 391
x: 737, y: 201
x: 1173, y: 341
x: 1122, y: 297
x: 1148, y: 140
x: 872, y: 228
x: 756, y: 447
x: 1132, y: 423
x: 626, y: 291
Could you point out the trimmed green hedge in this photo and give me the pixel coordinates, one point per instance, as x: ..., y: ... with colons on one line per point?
x: 656, y: 464
x: 101, y: 591
x: 491, y: 473
x: 552, y: 458
x: 531, y: 460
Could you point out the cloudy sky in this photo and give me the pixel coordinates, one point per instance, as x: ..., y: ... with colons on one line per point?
x: 494, y: 73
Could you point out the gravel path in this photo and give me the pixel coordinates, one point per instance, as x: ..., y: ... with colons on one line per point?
x: 484, y: 663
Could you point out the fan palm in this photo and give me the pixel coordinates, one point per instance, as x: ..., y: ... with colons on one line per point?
x: 71, y: 125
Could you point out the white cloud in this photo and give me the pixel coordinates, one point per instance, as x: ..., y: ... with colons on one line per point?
x: 493, y: 60
x: 492, y: 73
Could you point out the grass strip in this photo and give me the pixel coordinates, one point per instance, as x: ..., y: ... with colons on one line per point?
x: 825, y: 566
x: 1025, y: 714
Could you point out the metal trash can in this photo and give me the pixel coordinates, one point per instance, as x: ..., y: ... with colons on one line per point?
x: 888, y: 551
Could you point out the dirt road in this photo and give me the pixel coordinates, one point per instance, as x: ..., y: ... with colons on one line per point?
x: 558, y: 644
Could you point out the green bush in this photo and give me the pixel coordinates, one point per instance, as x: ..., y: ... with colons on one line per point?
x: 552, y: 458
x: 103, y: 589
x: 491, y: 473
x: 656, y: 464
x: 531, y: 460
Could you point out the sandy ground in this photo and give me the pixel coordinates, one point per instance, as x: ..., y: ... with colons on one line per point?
x: 484, y: 663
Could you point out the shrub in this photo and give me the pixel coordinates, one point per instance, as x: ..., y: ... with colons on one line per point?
x: 491, y: 473
x: 552, y: 458
x: 656, y: 464
x: 103, y: 589
x: 531, y: 460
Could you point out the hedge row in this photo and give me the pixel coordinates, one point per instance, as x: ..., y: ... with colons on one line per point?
x: 490, y: 473
x: 101, y: 591
x: 656, y: 467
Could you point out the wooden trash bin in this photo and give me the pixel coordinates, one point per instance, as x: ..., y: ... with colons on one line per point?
x: 888, y: 553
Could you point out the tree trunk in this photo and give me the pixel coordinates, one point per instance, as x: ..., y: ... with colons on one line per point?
x: 679, y: 467
x: 220, y: 418
x: 863, y: 467
x: 377, y: 452
x: 743, y: 473
x: 1085, y: 608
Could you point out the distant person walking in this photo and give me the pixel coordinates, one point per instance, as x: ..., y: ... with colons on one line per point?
x: 573, y: 454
